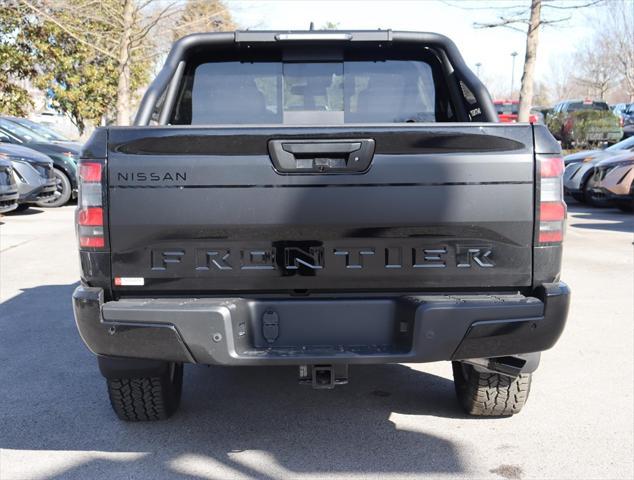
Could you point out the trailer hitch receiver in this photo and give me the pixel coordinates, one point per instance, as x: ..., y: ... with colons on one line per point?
x: 323, y: 376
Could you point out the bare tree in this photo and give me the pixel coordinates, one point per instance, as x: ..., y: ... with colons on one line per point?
x: 529, y: 20
x: 604, y: 64
x: 617, y: 29
x: 542, y: 94
x: 528, y: 74
x: 202, y: 16
x: 126, y: 40
x: 559, y: 76
x: 597, y: 68
x: 496, y: 85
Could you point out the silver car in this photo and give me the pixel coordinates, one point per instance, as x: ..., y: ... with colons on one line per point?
x: 580, y: 167
x: 33, y: 172
x: 8, y: 188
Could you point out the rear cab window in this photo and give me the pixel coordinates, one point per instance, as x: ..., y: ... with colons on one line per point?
x: 576, y: 106
x: 351, y: 89
x: 506, y: 108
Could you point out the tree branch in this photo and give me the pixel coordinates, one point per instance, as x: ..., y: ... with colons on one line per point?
x: 143, y: 5
x: 165, y: 13
x: 506, y: 7
x: 503, y: 22
x: 67, y: 30
x: 200, y: 19
x: 592, y: 3
x: 557, y: 20
x: 113, y: 13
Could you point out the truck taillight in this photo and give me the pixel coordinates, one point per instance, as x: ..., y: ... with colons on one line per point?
x: 90, y: 214
x: 551, y: 214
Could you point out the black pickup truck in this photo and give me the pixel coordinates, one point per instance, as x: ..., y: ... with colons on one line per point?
x: 319, y: 199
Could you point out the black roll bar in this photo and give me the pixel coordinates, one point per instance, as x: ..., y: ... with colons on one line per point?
x: 181, y: 50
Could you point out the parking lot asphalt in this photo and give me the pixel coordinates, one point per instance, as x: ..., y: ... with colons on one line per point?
x: 394, y: 421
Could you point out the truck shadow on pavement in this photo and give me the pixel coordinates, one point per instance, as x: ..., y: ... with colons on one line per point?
x: 233, y: 422
x: 609, y: 219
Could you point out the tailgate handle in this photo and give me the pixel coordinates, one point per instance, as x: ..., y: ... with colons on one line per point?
x: 321, y: 148
x: 322, y: 156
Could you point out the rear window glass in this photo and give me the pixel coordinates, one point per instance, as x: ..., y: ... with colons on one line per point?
x: 507, y: 108
x: 574, y: 106
x: 308, y: 93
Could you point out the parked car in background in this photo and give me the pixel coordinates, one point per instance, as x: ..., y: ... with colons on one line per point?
x: 539, y: 116
x: 583, y: 155
x: 578, y: 172
x: 8, y: 186
x: 597, y: 195
x: 619, y: 108
x: 600, y: 153
x: 579, y: 123
x: 544, y: 111
x: 46, y: 132
x: 615, y: 180
x: 508, y: 110
x: 60, y: 123
x: 625, y: 113
x: 64, y: 158
x: 33, y: 172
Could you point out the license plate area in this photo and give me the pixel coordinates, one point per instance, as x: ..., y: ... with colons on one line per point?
x: 326, y: 325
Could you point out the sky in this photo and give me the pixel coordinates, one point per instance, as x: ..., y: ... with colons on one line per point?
x: 490, y: 47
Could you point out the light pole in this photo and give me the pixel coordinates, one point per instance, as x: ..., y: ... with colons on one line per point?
x: 478, y: 65
x: 513, y: 54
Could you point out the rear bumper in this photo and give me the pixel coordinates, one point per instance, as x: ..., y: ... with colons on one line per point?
x: 610, y: 136
x: 250, y: 331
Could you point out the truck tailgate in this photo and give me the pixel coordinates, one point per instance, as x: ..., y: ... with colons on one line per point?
x: 204, y: 209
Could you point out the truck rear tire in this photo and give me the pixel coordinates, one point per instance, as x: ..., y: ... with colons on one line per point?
x: 489, y: 394
x: 147, y: 398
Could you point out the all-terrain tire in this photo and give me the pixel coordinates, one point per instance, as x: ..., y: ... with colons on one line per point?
x: 147, y: 398
x: 490, y: 394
